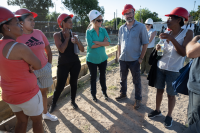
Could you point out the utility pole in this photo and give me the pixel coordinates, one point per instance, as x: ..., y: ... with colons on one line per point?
x: 194, y: 5
x: 140, y: 14
x: 116, y: 19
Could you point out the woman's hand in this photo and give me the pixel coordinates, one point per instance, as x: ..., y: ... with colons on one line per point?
x: 166, y: 36
x: 31, y: 70
x: 105, y: 39
x: 66, y: 33
x: 158, y: 47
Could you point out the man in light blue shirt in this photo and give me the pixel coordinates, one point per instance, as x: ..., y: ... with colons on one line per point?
x: 132, y: 45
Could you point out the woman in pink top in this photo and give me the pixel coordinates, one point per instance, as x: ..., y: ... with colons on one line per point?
x: 19, y: 85
x: 39, y: 44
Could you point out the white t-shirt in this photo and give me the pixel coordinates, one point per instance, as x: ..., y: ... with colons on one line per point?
x: 152, y: 43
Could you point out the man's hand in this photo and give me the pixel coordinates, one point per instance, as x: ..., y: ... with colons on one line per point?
x: 140, y: 60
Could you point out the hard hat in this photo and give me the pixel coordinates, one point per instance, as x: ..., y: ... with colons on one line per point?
x: 127, y: 7
x: 93, y: 14
x: 149, y: 21
x: 61, y: 17
x: 180, y: 12
x: 6, y: 15
x: 25, y: 11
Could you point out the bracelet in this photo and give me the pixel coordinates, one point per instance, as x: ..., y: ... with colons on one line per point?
x: 140, y: 58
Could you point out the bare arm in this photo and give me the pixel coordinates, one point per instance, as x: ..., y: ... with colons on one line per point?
x: 28, y: 56
x: 193, y: 48
x: 144, y: 49
x: 96, y: 46
x: 119, y: 51
x: 61, y: 46
x: 49, y: 53
x: 152, y: 36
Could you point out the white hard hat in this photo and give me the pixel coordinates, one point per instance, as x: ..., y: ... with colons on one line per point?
x: 93, y: 14
x: 149, y: 21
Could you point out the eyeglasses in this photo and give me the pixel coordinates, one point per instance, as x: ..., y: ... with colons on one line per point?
x: 99, y: 20
x: 126, y: 14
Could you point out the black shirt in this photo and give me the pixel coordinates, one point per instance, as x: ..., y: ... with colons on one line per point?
x: 68, y: 56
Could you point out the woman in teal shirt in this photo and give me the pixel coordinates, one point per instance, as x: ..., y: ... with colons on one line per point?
x: 97, y: 38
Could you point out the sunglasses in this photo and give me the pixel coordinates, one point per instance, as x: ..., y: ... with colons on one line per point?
x: 147, y: 24
x: 99, y: 20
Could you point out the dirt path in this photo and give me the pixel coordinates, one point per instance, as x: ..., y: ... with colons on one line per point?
x: 112, y: 116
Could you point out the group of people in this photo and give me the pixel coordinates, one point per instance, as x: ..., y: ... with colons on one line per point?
x: 26, y: 57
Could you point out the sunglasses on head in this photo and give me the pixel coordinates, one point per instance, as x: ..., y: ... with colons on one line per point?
x: 99, y: 20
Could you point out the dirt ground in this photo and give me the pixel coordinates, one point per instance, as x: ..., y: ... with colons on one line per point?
x: 112, y: 116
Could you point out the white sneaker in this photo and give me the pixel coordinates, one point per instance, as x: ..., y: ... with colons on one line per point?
x: 49, y: 117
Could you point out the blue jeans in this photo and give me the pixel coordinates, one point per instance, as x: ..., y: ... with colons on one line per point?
x: 166, y: 77
x: 93, y: 76
x: 134, y: 67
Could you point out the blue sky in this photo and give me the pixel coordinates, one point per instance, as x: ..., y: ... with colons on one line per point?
x: 162, y: 7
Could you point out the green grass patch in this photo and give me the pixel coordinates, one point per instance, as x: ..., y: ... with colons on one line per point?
x: 113, y: 87
x: 50, y: 94
x: 111, y: 58
x: 111, y: 67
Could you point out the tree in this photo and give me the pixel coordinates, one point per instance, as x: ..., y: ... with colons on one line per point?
x: 196, y: 14
x: 41, y: 7
x: 145, y: 14
x: 52, y: 16
x: 82, y: 7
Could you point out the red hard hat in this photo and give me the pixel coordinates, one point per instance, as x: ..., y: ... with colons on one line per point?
x: 179, y: 11
x: 6, y: 15
x: 25, y: 11
x: 127, y: 7
x: 61, y: 17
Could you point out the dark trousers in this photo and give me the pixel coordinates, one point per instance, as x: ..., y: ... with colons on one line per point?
x: 62, y: 74
x: 93, y: 76
x: 134, y: 67
x: 145, y: 63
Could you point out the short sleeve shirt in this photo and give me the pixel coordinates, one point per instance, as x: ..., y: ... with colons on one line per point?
x: 37, y: 42
x: 131, y: 41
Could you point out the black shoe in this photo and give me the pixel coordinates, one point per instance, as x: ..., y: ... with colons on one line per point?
x: 105, y: 96
x: 168, y: 121
x: 154, y: 114
x: 122, y: 96
x: 137, y: 104
x: 52, y: 108
x: 94, y: 98
x: 74, y: 105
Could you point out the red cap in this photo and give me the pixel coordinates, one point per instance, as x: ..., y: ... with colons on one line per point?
x: 61, y: 17
x: 25, y: 11
x: 180, y: 12
x: 6, y: 15
x: 127, y: 7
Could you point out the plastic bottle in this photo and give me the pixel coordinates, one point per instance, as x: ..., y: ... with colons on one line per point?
x: 160, y: 52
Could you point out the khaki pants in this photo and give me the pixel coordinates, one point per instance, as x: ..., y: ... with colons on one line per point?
x: 145, y: 65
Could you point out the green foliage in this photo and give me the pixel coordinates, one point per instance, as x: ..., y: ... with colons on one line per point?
x: 52, y: 16
x: 145, y: 14
x: 112, y: 23
x: 41, y: 7
x: 196, y: 14
x: 82, y: 7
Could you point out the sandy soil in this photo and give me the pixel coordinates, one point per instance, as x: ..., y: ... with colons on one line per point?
x: 112, y: 116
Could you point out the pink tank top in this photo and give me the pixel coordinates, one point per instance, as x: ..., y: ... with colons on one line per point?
x: 37, y: 42
x: 17, y: 83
